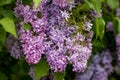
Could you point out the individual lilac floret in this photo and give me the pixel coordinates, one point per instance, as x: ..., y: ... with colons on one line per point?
x: 88, y: 26
x: 65, y: 15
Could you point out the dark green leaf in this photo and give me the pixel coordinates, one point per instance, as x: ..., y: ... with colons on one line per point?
x: 95, y: 5
x: 4, y: 2
x: 27, y: 26
x: 89, y: 4
x: 113, y: 4
x: 7, y: 13
x: 2, y: 37
x: 41, y: 69
x: 59, y: 76
x: 116, y: 24
x: 9, y: 26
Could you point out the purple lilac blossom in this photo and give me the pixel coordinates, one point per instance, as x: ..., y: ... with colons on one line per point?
x: 109, y: 26
x: 13, y: 45
x: 55, y: 49
x: 99, y: 69
x: 16, y: 50
x: 118, y: 40
x: 31, y: 73
x: 78, y: 53
x: 118, y: 46
x: 53, y: 37
x: 33, y: 46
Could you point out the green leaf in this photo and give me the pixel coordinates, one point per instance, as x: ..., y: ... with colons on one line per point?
x: 5, y: 2
x: 41, y: 69
x: 36, y: 3
x: 2, y: 37
x: 95, y: 5
x: 113, y: 4
x: 84, y: 7
x: 89, y: 4
x: 116, y: 24
x: 97, y: 45
x: 8, y: 25
x: 27, y: 26
x: 100, y: 27
x: 7, y: 13
x: 59, y: 76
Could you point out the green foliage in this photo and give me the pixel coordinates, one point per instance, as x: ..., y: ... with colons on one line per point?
x: 95, y: 5
x: 27, y: 26
x: 113, y: 4
x: 2, y: 37
x: 9, y: 26
x: 41, y: 69
x: 99, y: 27
x: 5, y: 2
x: 59, y: 76
x: 7, y: 13
x: 36, y: 3
x: 116, y: 24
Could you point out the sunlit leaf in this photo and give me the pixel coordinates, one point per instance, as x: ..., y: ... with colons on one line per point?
x: 5, y: 2
x: 36, y: 3
x: 9, y: 26
x: 100, y: 27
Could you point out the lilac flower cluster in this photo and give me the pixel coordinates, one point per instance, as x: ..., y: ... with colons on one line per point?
x: 52, y: 36
x: 117, y: 38
x: 99, y: 69
x: 109, y: 26
x: 13, y: 45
